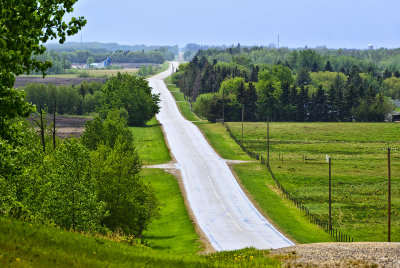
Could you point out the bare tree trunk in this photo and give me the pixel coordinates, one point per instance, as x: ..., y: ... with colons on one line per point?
x: 54, y: 125
x: 42, y: 130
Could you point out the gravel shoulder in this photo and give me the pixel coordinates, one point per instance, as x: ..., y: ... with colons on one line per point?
x: 358, y: 254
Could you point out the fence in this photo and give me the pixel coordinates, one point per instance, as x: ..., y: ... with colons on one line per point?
x: 316, y: 219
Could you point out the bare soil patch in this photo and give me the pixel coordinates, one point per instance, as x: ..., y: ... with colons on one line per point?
x: 67, y: 126
x: 359, y: 254
x: 21, y: 81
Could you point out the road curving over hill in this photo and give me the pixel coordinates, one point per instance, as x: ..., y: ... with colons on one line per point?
x: 221, y: 208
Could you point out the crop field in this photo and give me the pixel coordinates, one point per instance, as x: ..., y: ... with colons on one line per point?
x: 298, y: 154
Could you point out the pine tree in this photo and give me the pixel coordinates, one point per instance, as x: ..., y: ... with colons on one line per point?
x: 328, y: 67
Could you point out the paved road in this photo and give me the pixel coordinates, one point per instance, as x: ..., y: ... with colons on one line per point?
x: 222, y: 210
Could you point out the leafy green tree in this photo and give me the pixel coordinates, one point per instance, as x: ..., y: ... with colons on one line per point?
x: 71, y: 197
x: 25, y: 26
x: 131, y: 93
x: 131, y: 203
x: 105, y: 132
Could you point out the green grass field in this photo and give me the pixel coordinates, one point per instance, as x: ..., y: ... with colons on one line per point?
x: 359, y: 170
x: 34, y: 245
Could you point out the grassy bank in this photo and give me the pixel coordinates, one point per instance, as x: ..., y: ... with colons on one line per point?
x: 359, y: 170
x: 34, y: 245
x: 174, y: 230
x: 183, y: 105
x: 150, y: 143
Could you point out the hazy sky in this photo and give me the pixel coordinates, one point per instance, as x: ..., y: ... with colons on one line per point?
x: 334, y: 23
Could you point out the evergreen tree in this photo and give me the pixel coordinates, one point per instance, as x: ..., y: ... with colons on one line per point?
x: 328, y: 67
x: 303, y: 77
x: 386, y: 74
x: 319, y: 109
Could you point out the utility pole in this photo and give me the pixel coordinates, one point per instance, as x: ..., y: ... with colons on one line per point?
x: 223, y: 106
x: 278, y: 41
x: 268, y: 140
x: 242, y: 121
x: 330, y: 196
x: 389, y: 193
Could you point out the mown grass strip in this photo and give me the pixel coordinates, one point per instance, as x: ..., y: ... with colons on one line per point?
x: 183, y: 105
x: 150, y: 143
x: 174, y: 230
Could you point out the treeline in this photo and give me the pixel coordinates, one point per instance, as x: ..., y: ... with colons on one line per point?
x: 97, y: 47
x: 61, y: 61
x: 80, y: 99
x: 128, y: 93
x: 341, y: 60
x: 281, y: 93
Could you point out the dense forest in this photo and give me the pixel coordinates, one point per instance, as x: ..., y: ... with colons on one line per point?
x: 292, y: 85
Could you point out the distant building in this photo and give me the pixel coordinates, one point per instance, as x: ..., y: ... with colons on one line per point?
x: 102, y: 64
x: 370, y: 47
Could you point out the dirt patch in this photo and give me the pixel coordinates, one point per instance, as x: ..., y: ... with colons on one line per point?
x: 361, y: 254
x: 66, y: 126
x: 21, y: 81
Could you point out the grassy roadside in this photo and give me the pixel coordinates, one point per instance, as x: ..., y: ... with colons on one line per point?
x: 174, y: 230
x: 150, y: 144
x: 183, y: 105
x: 34, y: 245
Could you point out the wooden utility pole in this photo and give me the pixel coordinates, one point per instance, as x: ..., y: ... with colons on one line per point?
x: 223, y: 106
x: 389, y: 195
x: 54, y: 124
x: 268, y: 140
x: 242, y: 121
x: 330, y: 196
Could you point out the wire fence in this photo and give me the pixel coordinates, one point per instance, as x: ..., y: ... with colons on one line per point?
x: 314, y: 218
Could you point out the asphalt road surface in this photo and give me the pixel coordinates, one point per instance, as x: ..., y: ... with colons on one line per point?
x: 222, y: 210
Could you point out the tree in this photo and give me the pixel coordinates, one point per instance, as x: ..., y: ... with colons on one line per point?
x: 71, y: 198
x: 105, y: 132
x: 131, y: 203
x: 131, y: 93
x: 25, y: 26
x: 328, y: 67
x: 303, y: 77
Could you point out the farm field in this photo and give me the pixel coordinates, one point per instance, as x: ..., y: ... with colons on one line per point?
x: 359, y: 170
